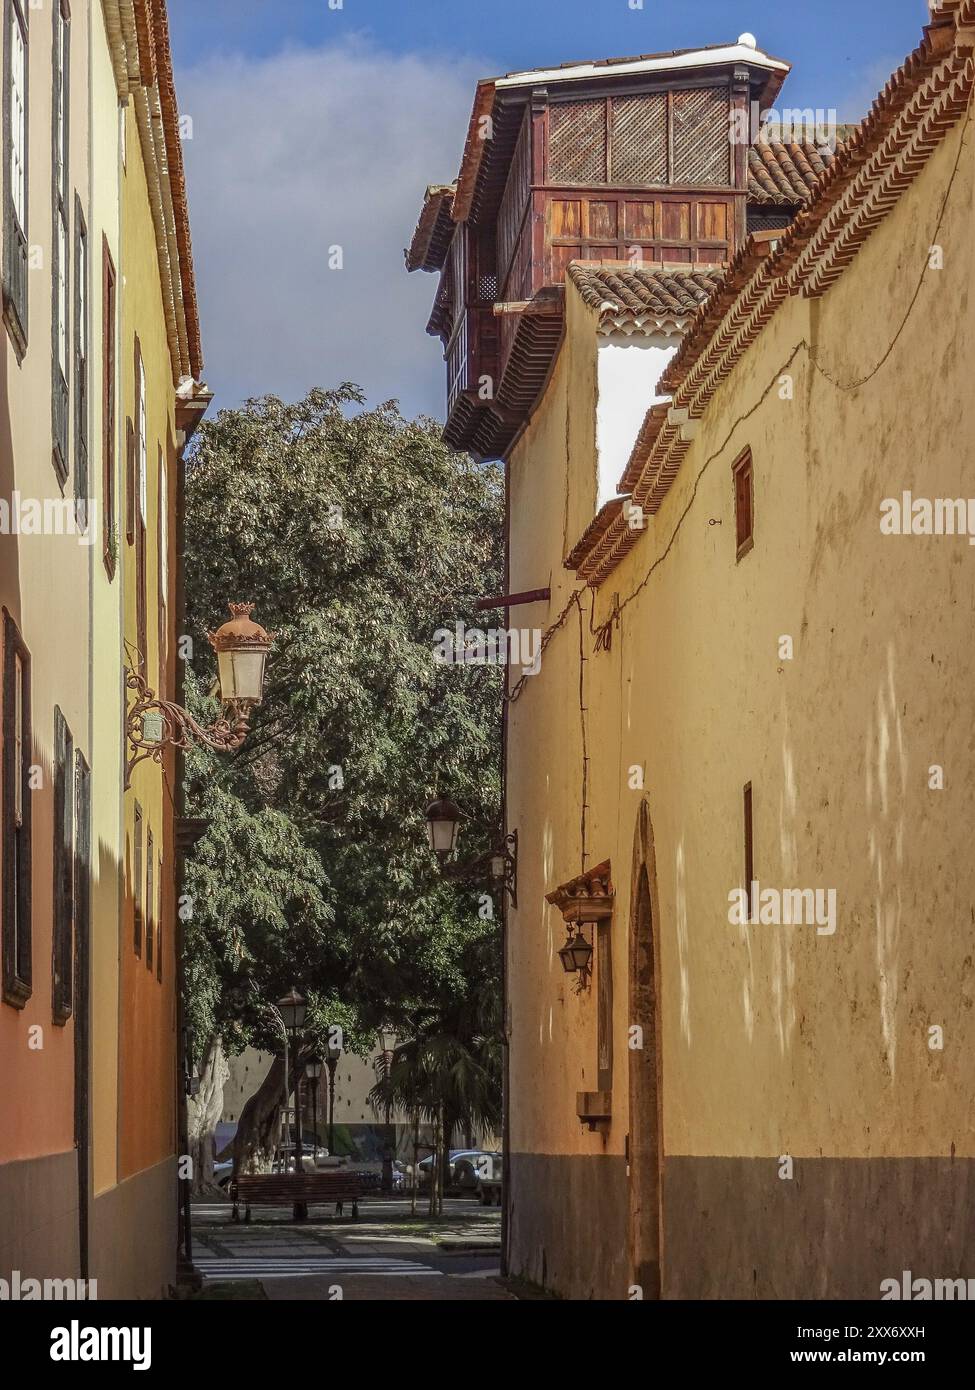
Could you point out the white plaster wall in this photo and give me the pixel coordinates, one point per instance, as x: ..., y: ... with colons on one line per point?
x: 627, y: 373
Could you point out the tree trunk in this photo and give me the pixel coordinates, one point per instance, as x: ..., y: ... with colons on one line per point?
x: 257, y: 1132
x: 203, y: 1115
x: 260, y: 1120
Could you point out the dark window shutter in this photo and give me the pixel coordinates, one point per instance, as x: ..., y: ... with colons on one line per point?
x: 16, y: 839
x: 150, y: 900
x: 63, y: 963
x: 129, y: 481
x: 744, y: 504
x: 137, y: 882
x: 15, y: 297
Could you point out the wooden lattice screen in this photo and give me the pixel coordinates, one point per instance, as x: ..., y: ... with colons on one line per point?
x: 639, y: 150
x: 680, y: 137
x: 702, y: 148
x: 577, y: 142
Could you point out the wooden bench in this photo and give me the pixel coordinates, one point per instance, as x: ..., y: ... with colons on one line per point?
x: 300, y: 1190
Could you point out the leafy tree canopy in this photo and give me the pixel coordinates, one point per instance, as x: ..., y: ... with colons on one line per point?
x: 358, y: 534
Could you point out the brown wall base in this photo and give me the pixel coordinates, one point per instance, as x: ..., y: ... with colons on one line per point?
x: 733, y: 1229
x: 568, y: 1230
x: 133, y: 1235
x: 39, y: 1217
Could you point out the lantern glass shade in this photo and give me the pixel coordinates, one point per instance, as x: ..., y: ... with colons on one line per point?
x: 443, y: 824
x: 241, y: 674
x: 498, y: 866
x: 242, y: 648
x: 293, y: 1009
x: 576, y: 954
x: 313, y: 1069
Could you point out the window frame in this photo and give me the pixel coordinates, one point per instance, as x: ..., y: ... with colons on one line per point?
x: 61, y: 239
x: 81, y: 359
x: 62, y: 954
x: 159, y: 961
x: 748, y: 835
x: 150, y: 900
x: 16, y: 903
x: 16, y: 220
x: 141, y: 507
x: 137, y: 882
x: 109, y: 409
x: 743, y: 479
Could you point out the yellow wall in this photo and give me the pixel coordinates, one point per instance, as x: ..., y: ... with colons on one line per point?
x: 45, y: 584
x: 775, y: 1040
x: 107, y: 713
x: 147, y: 1060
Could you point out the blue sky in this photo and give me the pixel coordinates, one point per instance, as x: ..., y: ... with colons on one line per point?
x: 315, y: 127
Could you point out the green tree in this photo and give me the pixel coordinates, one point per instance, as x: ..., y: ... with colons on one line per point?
x: 358, y: 534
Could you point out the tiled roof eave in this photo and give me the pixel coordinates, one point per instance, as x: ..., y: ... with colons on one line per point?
x: 435, y: 211
x: 921, y: 102
x: 643, y: 325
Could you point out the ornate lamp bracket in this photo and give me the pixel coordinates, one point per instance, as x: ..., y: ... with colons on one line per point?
x: 499, y: 864
x: 152, y: 726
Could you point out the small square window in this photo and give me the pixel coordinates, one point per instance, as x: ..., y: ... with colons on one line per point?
x: 744, y: 504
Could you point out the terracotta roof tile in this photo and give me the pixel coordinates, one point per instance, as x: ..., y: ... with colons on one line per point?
x: 163, y: 67
x: 920, y: 103
x: 632, y: 299
x: 594, y: 532
x: 785, y: 172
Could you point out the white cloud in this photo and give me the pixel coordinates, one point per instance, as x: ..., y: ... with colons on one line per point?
x: 292, y: 154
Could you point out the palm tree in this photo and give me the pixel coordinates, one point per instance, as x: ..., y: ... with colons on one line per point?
x: 446, y: 1081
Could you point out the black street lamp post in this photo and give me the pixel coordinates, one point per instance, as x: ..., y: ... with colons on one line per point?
x: 388, y: 1038
x: 332, y: 1061
x: 313, y: 1071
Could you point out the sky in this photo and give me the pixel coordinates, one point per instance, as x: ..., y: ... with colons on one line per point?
x: 317, y: 124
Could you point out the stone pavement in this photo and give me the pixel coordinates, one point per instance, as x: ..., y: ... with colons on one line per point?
x: 386, y: 1254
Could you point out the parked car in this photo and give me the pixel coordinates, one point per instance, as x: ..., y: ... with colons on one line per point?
x: 224, y: 1171
x: 467, y: 1167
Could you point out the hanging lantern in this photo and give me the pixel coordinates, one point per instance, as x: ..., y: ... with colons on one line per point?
x: 576, y: 954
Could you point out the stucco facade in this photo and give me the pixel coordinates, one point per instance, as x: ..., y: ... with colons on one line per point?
x: 88, y: 1112
x: 761, y: 1044
x: 45, y: 591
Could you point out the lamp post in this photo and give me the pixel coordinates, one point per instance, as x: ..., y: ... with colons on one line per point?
x: 387, y: 1040
x: 313, y: 1071
x: 153, y: 725
x: 332, y: 1060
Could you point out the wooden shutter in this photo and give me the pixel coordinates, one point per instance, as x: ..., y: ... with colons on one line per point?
x: 749, y: 845
x: 108, y: 410
x: 63, y: 962
x: 16, y: 192
x: 744, y: 504
x: 150, y: 901
x: 16, y: 826
x: 137, y: 880
x: 81, y: 358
